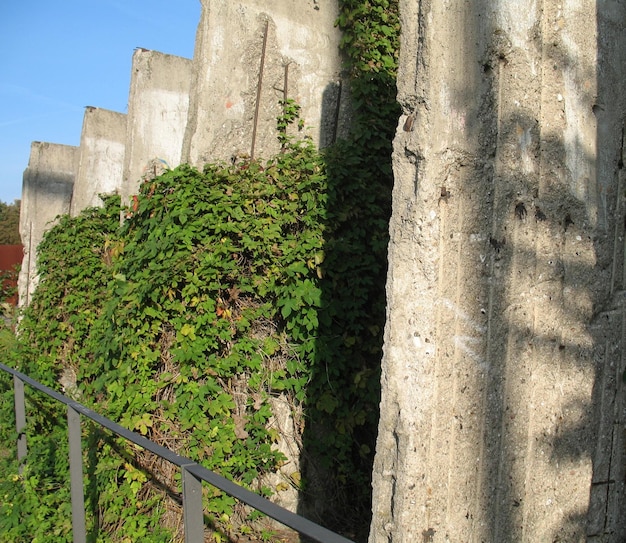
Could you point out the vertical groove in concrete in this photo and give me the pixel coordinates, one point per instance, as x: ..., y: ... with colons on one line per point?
x: 615, y: 519
x: 520, y: 262
x: 452, y: 481
x: 618, y: 243
x: 604, y: 494
x: 228, y: 109
x: 436, y: 434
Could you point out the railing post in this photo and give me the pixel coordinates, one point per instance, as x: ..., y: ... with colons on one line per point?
x: 193, y: 516
x: 193, y: 475
x: 76, y: 476
x: 20, y: 418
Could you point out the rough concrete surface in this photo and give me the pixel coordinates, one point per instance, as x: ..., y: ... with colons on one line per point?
x: 47, y: 189
x: 100, y: 158
x: 502, y: 397
x: 158, y: 105
x: 250, y: 55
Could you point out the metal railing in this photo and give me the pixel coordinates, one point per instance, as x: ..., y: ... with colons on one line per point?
x: 193, y: 474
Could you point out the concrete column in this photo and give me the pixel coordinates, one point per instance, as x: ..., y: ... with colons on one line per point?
x: 100, y: 159
x: 606, y: 520
x: 46, y: 193
x: 158, y: 105
x: 502, y: 396
x: 249, y: 56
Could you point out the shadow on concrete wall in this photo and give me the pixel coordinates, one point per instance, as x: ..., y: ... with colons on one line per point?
x: 605, y: 519
x: 344, y: 391
x: 569, y: 330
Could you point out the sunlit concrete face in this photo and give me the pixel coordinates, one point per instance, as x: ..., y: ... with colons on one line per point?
x: 100, y: 164
x: 158, y: 107
x: 46, y: 193
x: 250, y: 56
x: 503, y: 342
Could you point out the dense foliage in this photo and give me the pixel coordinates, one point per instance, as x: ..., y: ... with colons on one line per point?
x: 8, y: 284
x: 180, y: 326
x: 346, y: 378
x: 35, y: 505
x: 223, y: 289
x: 9, y: 235
x: 10, y: 223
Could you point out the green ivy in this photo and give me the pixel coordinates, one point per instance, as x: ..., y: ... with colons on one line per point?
x: 223, y: 288
x: 370, y: 35
x: 35, y: 504
x: 180, y: 325
x: 345, y: 380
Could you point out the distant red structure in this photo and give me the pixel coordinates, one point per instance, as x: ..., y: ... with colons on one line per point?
x: 10, y: 261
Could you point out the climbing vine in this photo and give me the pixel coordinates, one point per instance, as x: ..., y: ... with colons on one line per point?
x: 223, y: 289
x: 181, y: 324
x: 345, y: 381
x: 55, y: 331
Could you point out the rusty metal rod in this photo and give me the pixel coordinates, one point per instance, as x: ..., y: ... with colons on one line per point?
x: 258, y: 90
x: 285, y: 95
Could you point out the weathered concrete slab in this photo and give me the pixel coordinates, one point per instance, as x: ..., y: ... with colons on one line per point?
x: 101, y: 158
x: 502, y: 414
x: 47, y: 189
x: 250, y: 55
x: 158, y: 105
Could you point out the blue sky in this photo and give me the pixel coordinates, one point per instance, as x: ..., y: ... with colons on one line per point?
x: 58, y: 57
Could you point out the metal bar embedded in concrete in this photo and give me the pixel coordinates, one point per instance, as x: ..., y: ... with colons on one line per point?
x: 258, y: 91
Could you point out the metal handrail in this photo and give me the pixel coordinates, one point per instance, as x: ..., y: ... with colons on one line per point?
x: 193, y: 474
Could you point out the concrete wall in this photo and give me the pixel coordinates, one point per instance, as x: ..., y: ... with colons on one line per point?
x: 503, y: 411
x: 250, y: 55
x: 158, y: 104
x: 47, y: 189
x: 100, y: 158
x: 607, y: 416
x: 298, y: 46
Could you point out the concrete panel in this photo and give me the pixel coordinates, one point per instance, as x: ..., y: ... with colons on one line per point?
x: 47, y: 189
x: 250, y: 55
x: 101, y: 158
x: 157, y: 115
x: 502, y: 408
